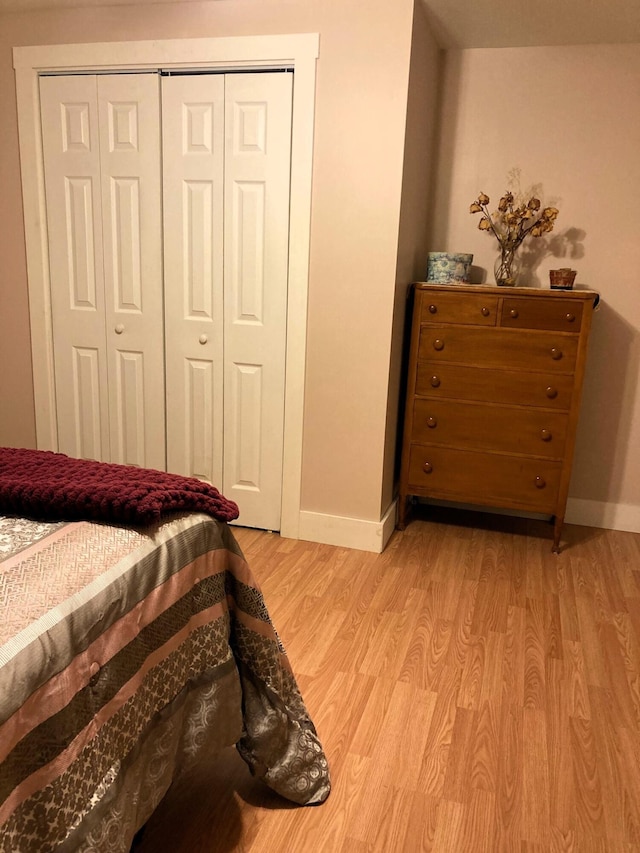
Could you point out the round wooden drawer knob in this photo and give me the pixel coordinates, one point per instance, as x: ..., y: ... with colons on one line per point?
x: 433, y: 309
x: 432, y: 423
x: 540, y: 482
x: 545, y: 435
x: 551, y: 392
x: 571, y: 318
x: 427, y: 467
x: 438, y: 344
x: 485, y: 312
x: 435, y: 381
x: 513, y: 313
x: 556, y: 354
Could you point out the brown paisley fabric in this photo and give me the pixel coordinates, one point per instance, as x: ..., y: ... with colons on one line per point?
x: 131, y: 654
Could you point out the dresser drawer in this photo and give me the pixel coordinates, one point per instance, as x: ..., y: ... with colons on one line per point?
x: 548, y: 390
x: 484, y: 478
x: 562, y: 315
x: 483, y: 426
x: 462, y: 308
x: 546, y: 351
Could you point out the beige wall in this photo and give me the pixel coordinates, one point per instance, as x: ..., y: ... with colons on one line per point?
x: 417, y: 187
x: 569, y: 118
x: 359, y: 143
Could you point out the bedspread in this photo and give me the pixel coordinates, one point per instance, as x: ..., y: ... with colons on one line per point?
x: 126, y: 654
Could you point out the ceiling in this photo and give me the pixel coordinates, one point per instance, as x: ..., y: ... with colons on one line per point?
x: 477, y: 23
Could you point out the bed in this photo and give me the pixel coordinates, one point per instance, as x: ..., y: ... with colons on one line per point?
x: 128, y: 651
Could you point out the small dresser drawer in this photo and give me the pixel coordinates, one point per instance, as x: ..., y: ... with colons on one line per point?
x: 462, y: 308
x: 547, y: 351
x: 481, y: 426
x: 460, y: 382
x: 562, y: 315
x: 485, y: 478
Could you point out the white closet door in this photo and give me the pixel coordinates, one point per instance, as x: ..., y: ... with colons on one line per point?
x: 129, y: 120
x: 226, y: 160
x: 74, y: 220
x: 193, y: 152
x: 257, y: 172
x: 101, y: 140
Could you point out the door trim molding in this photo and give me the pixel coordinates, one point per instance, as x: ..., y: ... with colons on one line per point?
x: 297, y: 51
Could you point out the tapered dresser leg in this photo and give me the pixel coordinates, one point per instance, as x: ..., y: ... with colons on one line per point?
x: 401, y: 523
x: 557, y: 530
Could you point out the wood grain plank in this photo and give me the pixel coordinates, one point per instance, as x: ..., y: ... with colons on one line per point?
x: 484, y: 749
x: 535, y: 778
x: 594, y: 659
x: 436, y: 754
x: 523, y: 737
x: 577, y: 697
x: 588, y: 791
x: 534, y: 655
x: 421, y: 828
x: 472, y: 674
x: 513, y: 666
x: 460, y: 642
x: 567, y: 602
x: 413, y: 667
x: 456, y: 787
x: 325, y: 702
x: 492, y: 676
x: 611, y: 766
x: 559, y: 750
x: 478, y: 829
x: 510, y: 789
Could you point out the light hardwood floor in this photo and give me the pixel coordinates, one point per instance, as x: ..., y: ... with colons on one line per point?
x: 473, y: 692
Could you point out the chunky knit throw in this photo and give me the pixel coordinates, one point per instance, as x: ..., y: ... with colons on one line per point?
x: 54, y: 487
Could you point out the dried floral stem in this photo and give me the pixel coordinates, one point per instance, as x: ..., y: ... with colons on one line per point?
x: 516, y: 221
x: 510, y: 225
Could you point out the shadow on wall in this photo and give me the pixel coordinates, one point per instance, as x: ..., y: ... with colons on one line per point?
x: 608, y: 404
x: 446, y: 127
x: 565, y: 246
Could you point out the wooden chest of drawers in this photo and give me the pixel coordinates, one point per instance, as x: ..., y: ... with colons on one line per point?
x: 493, y: 396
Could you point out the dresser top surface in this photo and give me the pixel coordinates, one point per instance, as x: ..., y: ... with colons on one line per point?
x: 576, y: 293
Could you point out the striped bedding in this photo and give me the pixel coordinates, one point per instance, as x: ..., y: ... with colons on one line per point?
x: 126, y: 654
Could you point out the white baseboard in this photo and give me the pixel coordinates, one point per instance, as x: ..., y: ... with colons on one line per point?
x: 612, y: 516
x: 373, y: 535
x: 348, y: 532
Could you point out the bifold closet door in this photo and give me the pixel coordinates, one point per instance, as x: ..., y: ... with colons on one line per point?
x: 193, y: 176
x: 226, y: 154
x: 101, y: 143
x: 198, y: 388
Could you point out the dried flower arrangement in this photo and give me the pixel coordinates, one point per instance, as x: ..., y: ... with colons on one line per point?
x: 510, y: 225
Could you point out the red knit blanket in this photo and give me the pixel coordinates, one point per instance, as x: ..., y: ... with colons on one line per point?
x: 54, y: 487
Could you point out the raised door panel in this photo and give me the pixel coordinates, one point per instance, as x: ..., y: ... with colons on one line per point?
x: 129, y: 120
x: 257, y: 164
x: 74, y: 221
x: 193, y: 155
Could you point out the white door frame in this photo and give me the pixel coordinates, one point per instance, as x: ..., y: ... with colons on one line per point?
x: 299, y: 52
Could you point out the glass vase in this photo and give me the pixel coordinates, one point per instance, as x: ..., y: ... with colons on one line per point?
x: 506, y: 267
